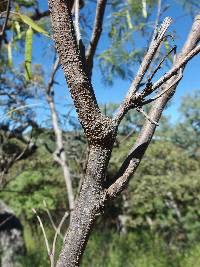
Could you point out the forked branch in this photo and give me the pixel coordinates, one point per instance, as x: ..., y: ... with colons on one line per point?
x: 169, y: 83
x: 132, y: 92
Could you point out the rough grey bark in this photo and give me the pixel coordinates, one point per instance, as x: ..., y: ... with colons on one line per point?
x: 100, y: 130
x: 89, y: 205
x: 12, y: 247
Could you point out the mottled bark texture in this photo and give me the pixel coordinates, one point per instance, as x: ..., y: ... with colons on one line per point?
x: 100, y: 130
x: 12, y: 246
x: 89, y: 205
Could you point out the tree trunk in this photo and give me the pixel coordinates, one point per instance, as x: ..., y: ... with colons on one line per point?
x: 88, y: 206
x: 12, y: 245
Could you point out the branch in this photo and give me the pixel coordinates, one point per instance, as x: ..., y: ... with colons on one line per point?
x: 59, y: 154
x: 176, y: 68
x: 6, y: 19
x: 56, y: 236
x: 160, y: 64
x: 97, y: 30
x: 154, y: 45
x: 180, y: 76
x: 76, y: 21
x: 52, y: 76
x: 44, y: 234
x: 135, y: 156
x: 98, y: 128
x: 157, y: 17
x: 139, y: 109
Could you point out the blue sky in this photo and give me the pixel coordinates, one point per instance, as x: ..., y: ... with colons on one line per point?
x: 190, y: 82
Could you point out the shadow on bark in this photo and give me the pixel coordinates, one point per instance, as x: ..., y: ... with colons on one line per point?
x: 12, y: 247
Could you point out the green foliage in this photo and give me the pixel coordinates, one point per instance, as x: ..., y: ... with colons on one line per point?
x: 131, y: 23
x: 27, y: 20
x: 133, y: 250
x: 28, y: 53
x: 164, y: 196
x: 114, y: 250
x: 36, y: 178
x: 9, y: 48
x: 161, y: 204
x: 186, y: 134
x: 25, y: 3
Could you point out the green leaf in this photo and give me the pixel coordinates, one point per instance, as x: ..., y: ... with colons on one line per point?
x: 9, y: 49
x: 144, y: 8
x: 32, y: 24
x: 18, y: 31
x: 28, y: 53
x: 167, y: 48
x: 128, y: 17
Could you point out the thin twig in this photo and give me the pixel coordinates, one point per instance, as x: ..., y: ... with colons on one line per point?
x: 160, y: 64
x: 50, y: 218
x: 52, y: 76
x: 44, y: 234
x: 150, y: 55
x: 56, y: 236
x: 139, y: 109
x: 6, y: 19
x: 19, y: 108
x: 164, y: 91
x: 76, y: 21
x: 5, y: 221
x: 126, y: 137
x: 96, y: 33
x: 154, y: 45
x: 157, y: 17
x: 23, y: 152
x: 176, y: 68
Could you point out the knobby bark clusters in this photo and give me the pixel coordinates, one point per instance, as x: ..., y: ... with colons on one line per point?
x: 101, y: 130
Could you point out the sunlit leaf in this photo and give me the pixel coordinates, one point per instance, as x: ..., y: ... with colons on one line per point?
x: 28, y: 53
x: 128, y: 17
x: 32, y: 24
x: 167, y: 48
x: 144, y: 8
x: 9, y: 49
x: 18, y: 31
